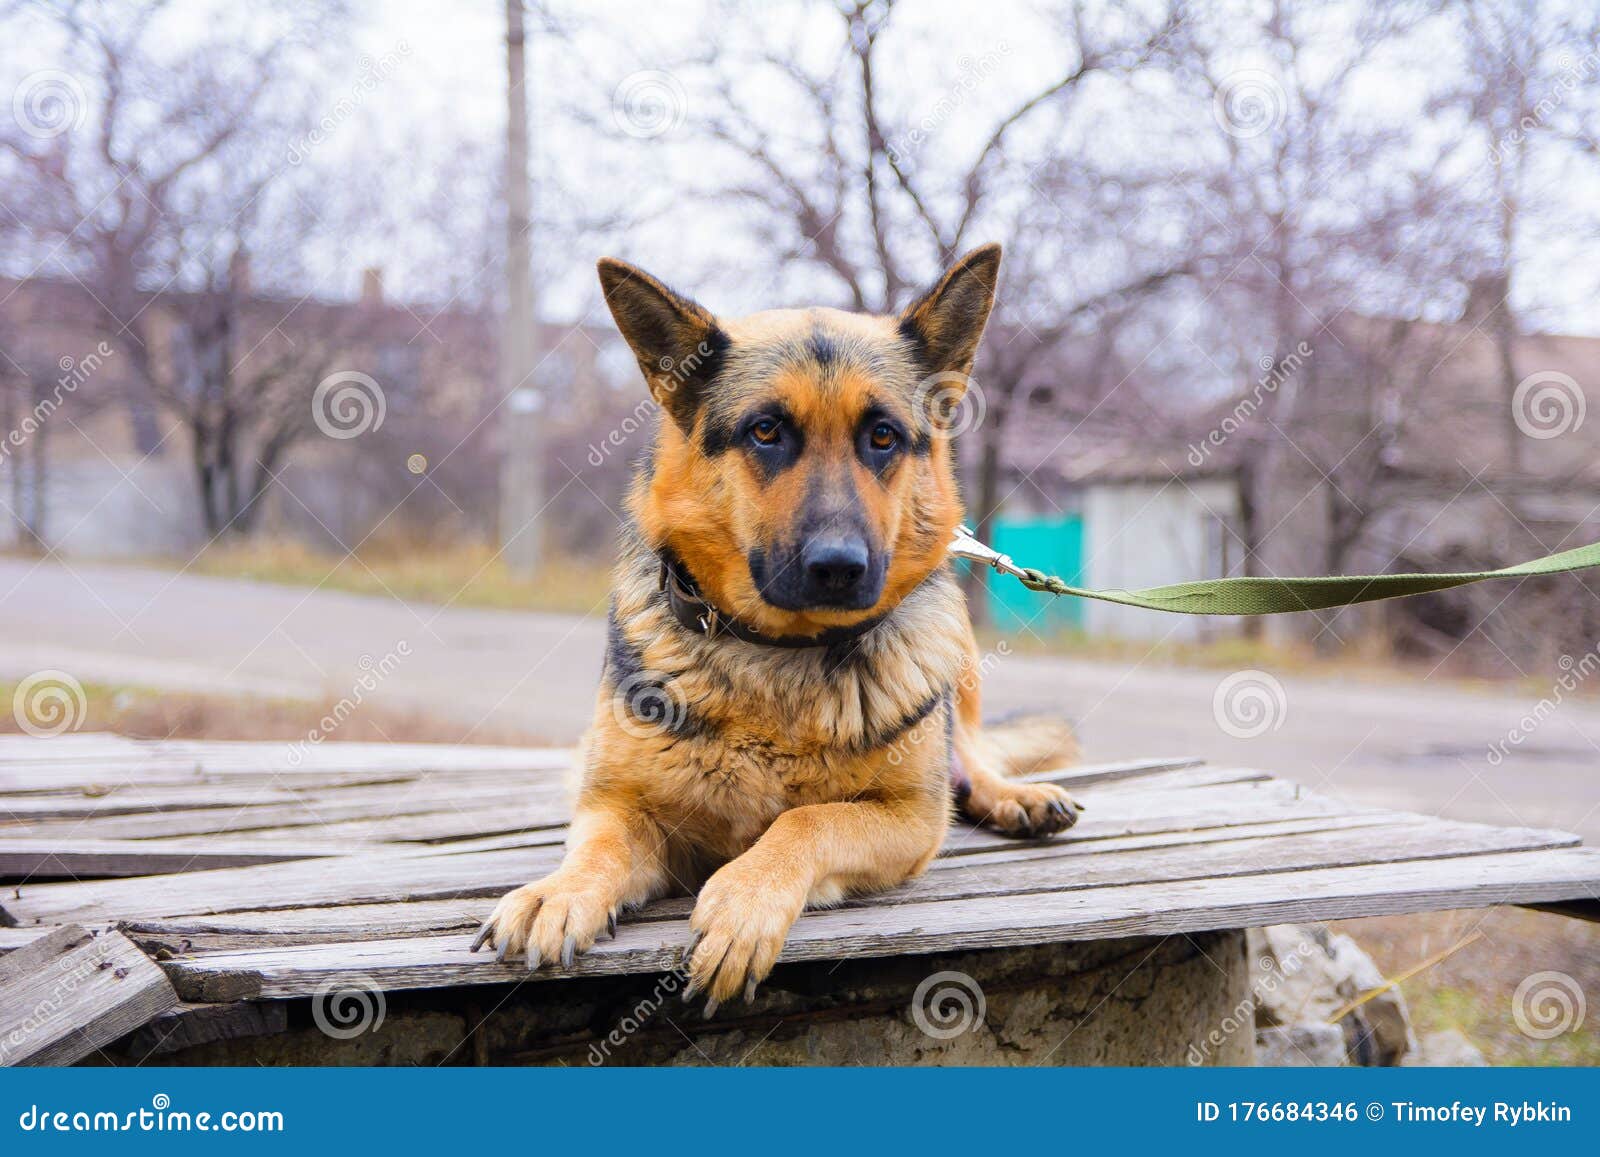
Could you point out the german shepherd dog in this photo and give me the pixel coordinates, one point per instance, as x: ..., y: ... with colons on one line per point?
x: 789, y: 703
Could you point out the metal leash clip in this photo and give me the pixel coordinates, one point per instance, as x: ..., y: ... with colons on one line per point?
x: 966, y: 545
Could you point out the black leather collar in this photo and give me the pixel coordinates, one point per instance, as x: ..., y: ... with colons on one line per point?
x: 695, y: 612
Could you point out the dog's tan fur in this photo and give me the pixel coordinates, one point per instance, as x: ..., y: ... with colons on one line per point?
x: 767, y: 779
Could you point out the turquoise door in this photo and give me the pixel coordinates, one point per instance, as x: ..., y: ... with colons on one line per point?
x: 1054, y: 545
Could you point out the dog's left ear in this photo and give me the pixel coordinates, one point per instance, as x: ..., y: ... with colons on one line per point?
x: 677, y: 342
x: 945, y: 324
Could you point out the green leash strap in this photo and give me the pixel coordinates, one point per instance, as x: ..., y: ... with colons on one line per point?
x: 1276, y: 596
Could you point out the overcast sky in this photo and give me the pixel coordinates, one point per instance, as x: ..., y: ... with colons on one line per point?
x: 447, y: 87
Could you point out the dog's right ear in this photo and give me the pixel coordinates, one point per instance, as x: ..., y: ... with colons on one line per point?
x: 677, y: 342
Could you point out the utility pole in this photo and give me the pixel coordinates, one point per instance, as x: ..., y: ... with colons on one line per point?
x: 521, y: 458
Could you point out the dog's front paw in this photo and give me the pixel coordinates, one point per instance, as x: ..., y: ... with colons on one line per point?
x: 1026, y: 809
x: 740, y: 923
x: 551, y: 919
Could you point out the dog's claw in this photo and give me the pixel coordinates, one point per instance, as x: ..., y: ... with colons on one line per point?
x: 611, y: 924
x: 710, y: 1009
x: 689, y: 991
x: 483, y: 935
x: 501, y: 950
x: 750, y: 991
x: 569, y: 951
x: 534, y: 959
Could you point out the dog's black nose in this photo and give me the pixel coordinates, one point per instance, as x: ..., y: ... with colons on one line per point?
x: 834, y: 567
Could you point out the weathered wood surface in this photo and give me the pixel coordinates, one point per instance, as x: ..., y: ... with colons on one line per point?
x: 986, y: 922
x: 39, y: 858
x: 261, y: 871
x: 69, y: 993
x: 189, y: 1024
x: 13, y: 938
x: 390, y: 875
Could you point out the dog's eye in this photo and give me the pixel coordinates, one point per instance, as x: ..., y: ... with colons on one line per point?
x: 766, y: 431
x: 883, y: 436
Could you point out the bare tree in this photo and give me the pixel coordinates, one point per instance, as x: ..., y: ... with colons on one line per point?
x: 178, y: 205
x: 1320, y: 204
x: 837, y: 171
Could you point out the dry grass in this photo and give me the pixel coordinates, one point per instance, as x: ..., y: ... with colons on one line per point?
x: 146, y: 713
x: 471, y: 574
x: 1473, y: 989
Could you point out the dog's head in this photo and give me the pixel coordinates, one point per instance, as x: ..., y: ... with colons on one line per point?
x: 804, y: 472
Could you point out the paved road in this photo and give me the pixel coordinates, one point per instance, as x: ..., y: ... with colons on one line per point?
x: 1418, y: 746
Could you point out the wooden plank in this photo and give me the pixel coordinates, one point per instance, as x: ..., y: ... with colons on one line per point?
x: 1081, y: 774
x: 365, y: 878
x: 987, y: 922
x: 303, y: 819
x: 1179, y: 857
x: 1586, y: 909
x: 13, y: 938
x: 28, y: 764
x: 87, y: 858
x: 190, y: 1024
x: 415, y: 792
x: 70, y: 993
x: 177, y: 935
x: 277, y: 757
x: 396, y: 876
